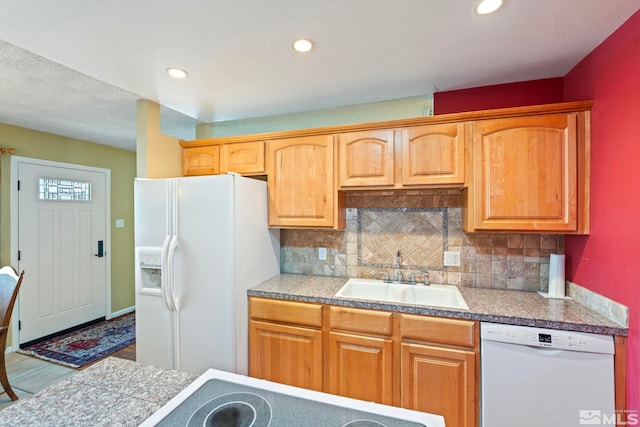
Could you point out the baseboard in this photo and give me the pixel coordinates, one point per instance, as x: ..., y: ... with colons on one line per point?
x: 121, y: 312
x: 8, y: 350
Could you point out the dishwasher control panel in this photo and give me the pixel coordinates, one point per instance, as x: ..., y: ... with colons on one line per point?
x: 549, y: 338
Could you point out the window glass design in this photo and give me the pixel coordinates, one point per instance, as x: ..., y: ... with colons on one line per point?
x: 64, y: 190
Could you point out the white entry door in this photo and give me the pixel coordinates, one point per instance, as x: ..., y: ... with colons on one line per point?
x: 62, y: 231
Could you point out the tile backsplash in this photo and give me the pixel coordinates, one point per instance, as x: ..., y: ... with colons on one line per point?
x: 422, y: 225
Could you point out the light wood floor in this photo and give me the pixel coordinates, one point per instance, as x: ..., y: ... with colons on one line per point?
x: 28, y: 375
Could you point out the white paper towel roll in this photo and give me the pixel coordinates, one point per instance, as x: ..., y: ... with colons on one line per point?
x: 556, y: 276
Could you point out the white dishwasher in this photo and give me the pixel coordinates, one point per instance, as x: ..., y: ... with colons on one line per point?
x: 545, y: 377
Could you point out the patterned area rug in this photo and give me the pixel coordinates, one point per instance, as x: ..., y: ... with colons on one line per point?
x: 87, y: 345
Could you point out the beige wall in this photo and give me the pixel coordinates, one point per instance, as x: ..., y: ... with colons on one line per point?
x: 158, y: 155
x: 122, y: 163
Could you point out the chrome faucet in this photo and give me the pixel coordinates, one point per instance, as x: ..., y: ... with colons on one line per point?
x: 398, y: 263
x: 425, y: 278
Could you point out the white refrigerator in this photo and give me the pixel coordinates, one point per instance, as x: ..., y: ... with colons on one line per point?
x: 201, y: 242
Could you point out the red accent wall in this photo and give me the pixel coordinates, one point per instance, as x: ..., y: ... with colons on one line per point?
x: 608, y: 260
x: 533, y: 92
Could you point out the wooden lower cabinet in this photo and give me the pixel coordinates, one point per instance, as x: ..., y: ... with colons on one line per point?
x: 417, y: 362
x: 440, y: 380
x: 361, y: 367
x: 286, y: 354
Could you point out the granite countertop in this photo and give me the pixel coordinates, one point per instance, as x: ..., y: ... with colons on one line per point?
x: 487, y: 305
x: 112, y: 392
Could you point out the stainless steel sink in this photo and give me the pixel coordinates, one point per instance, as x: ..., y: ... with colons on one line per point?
x: 376, y: 290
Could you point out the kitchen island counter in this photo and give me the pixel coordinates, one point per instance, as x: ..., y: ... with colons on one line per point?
x: 112, y: 392
x: 487, y: 305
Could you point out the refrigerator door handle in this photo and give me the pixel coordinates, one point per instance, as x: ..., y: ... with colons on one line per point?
x: 174, y: 303
x: 165, y: 273
x: 171, y: 288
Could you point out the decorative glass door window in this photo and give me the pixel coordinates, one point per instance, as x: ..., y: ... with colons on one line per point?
x: 64, y: 190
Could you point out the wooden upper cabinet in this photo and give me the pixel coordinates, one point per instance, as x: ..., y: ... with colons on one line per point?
x: 426, y: 156
x: 526, y: 175
x: 201, y: 160
x: 433, y: 154
x: 523, y: 169
x: 302, y: 185
x: 245, y: 158
x: 366, y: 158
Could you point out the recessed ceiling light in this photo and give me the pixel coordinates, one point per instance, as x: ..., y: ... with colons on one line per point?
x: 177, y: 73
x: 486, y: 7
x: 302, y: 45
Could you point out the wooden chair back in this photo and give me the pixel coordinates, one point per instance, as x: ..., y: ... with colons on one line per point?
x: 9, y: 286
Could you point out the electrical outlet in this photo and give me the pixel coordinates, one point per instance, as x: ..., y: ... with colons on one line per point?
x: 322, y: 254
x: 451, y: 259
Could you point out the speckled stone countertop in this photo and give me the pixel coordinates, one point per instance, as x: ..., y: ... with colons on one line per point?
x: 487, y: 305
x: 113, y: 392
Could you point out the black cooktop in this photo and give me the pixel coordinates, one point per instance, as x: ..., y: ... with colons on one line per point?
x: 220, y: 403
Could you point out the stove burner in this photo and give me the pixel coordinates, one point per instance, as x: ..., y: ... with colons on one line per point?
x: 234, y: 414
x: 364, y: 423
x: 233, y: 410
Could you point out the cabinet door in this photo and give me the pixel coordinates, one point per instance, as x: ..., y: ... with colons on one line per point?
x: 433, y: 154
x: 201, y: 160
x: 246, y: 158
x: 286, y: 354
x: 361, y: 367
x: 525, y: 173
x: 366, y: 158
x: 301, y: 182
x: 441, y: 381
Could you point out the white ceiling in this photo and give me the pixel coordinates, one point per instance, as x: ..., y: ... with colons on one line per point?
x: 76, y: 67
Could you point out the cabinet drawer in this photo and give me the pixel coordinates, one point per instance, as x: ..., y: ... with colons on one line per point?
x: 299, y: 313
x: 438, y: 330
x: 365, y: 321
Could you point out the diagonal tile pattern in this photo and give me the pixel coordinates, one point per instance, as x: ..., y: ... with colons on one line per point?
x: 420, y: 234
